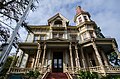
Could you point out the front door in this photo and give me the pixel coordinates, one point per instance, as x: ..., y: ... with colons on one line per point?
x: 57, y: 65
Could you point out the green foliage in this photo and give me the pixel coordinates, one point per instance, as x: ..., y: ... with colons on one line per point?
x: 111, y: 77
x: 34, y: 74
x: 87, y: 75
x: 6, y: 66
x: 113, y: 58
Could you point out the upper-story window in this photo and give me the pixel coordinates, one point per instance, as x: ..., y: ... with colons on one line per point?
x: 42, y: 37
x: 73, y: 37
x: 91, y: 34
x: 36, y: 37
x: 80, y: 19
x: 84, y: 36
x: 57, y: 35
x: 58, y: 23
x: 85, y: 17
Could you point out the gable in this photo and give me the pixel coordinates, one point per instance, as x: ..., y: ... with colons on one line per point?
x: 57, y: 16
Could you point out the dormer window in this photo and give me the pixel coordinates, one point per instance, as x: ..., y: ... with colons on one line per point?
x: 85, y: 17
x: 58, y: 22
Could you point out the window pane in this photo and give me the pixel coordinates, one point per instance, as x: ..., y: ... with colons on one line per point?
x: 60, y: 63
x: 80, y: 20
x: 41, y: 37
x: 55, y: 63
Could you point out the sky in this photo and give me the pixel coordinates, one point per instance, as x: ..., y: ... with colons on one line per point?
x: 106, y: 14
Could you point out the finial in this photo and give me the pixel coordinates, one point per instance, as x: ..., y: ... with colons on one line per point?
x: 79, y: 10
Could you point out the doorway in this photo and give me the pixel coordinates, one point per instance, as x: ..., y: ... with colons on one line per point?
x: 57, y: 64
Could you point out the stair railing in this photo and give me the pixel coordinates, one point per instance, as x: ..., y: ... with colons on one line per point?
x: 46, y: 72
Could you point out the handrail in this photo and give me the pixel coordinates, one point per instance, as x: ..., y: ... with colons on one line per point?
x: 68, y: 75
x: 46, y: 72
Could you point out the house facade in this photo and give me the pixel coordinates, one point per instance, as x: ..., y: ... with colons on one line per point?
x: 60, y: 47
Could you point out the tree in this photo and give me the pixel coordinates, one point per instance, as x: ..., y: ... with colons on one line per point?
x: 12, y: 10
x: 6, y: 66
x: 4, y: 34
x: 113, y: 59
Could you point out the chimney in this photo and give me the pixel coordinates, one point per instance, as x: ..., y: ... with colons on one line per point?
x: 79, y: 10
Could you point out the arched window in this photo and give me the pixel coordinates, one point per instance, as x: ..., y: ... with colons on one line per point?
x: 58, y: 22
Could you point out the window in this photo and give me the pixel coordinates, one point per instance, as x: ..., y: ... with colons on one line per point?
x: 91, y: 34
x: 36, y: 37
x: 42, y: 37
x: 57, y: 35
x: 73, y: 37
x: 58, y: 23
x: 80, y: 20
x: 60, y: 63
x: 55, y: 63
x: 84, y: 36
x: 60, y: 35
x: 85, y: 17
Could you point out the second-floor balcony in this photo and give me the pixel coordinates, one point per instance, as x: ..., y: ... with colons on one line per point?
x: 58, y: 25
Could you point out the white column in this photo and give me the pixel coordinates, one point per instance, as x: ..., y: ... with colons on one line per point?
x: 43, y: 59
x: 83, y: 58
x: 77, y: 57
x: 99, y: 58
x: 71, y: 57
x: 97, y: 54
x: 37, y: 57
x: 105, y: 59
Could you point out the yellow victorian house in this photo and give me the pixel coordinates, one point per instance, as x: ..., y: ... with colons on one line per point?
x: 64, y: 49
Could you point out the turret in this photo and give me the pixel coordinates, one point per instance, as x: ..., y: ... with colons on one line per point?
x: 85, y: 25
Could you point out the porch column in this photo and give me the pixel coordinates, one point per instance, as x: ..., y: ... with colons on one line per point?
x: 83, y: 58
x: 43, y: 59
x: 13, y: 61
x: 71, y: 57
x: 97, y: 54
x: 21, y: 58
x: 37, y: 56
x: 99, y: 58
x: 105, y: 59
x: 77, y: 57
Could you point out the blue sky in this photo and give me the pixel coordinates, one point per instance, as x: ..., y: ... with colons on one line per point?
x: 106, y: 14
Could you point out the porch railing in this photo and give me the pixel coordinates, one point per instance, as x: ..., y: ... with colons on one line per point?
x: 99, y: 69
x: 20, y: 70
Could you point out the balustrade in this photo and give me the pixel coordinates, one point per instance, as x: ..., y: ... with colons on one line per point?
x: 108, y: 69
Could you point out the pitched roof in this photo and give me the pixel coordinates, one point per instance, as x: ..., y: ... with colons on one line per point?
x: 57, y: 15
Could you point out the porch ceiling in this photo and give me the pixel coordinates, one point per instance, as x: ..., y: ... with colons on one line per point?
x: 107, y: 48
x: 27, y: 46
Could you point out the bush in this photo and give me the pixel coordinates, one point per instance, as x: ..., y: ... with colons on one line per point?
x: 111, y: 77
x: 87, y: 75
x: 33, y: 74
